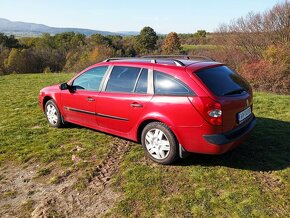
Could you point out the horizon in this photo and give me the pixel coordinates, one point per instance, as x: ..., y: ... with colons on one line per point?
x: 150, y: 13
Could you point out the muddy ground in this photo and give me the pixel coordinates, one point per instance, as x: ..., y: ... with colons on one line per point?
x: 23, y: 194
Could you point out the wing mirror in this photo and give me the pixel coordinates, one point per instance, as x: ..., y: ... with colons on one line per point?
x: 65, y: 86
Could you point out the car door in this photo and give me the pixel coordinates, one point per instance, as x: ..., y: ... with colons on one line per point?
x: 123, y: 99
x: 79, y: 104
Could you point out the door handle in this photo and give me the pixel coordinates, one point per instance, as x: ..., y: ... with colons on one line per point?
x: 135, y: 104
x: 90, y: 99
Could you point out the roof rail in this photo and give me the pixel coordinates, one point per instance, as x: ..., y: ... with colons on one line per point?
x: 118, y: 58
x: 153, y: 60
x: 188, y: 57
x: 177, y: 62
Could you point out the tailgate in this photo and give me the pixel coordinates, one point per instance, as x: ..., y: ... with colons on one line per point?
x: 236, y: 110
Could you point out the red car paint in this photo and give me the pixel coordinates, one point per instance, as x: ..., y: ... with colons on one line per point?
x: 185, y: 115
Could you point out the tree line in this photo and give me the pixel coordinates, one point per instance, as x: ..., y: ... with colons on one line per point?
x: 256, y: 45
x: 71, y: 51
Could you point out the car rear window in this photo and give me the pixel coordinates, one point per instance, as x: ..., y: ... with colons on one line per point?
x: 222, y: 81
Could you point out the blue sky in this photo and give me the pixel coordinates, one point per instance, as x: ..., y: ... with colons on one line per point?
x: 132, y: 15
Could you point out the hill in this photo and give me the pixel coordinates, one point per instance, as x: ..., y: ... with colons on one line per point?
x: 33, y: 29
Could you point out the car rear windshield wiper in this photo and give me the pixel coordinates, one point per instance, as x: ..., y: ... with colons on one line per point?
x: 236, y: 91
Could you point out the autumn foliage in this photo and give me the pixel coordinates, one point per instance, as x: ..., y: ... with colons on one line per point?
x: 171, y: 44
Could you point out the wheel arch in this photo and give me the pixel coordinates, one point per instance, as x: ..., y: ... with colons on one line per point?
x: 45, y: 99
x: 150, y: 120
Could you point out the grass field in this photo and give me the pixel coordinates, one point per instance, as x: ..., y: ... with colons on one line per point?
x: 251, y: 181
x: 196, y: 48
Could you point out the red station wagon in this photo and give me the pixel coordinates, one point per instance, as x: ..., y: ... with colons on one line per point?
x: 171, y: 106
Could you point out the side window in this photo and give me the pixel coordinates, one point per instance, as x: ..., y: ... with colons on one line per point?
x: 123, y: 79
x: 167, y: 85
x: 91, y: 79
x: 141, y: 86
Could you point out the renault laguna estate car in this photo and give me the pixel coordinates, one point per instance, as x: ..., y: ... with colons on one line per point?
x: 171, y: 106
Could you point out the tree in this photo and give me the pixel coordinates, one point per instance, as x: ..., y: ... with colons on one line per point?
x: 4, y: 53
x: 98, y: 39
x: 9, y: 42
x: 200, y: 37
x: 171, y: 44
x: 256, y: 31
x: 200, y: 34
x: 146, y: 40
x: 18, y: 60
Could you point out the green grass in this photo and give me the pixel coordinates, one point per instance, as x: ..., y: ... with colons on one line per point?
x: 188, y: 48
x: 24, y: 131
x: 26, y: 138
x: 251, y: 181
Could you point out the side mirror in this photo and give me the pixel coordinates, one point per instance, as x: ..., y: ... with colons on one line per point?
x: 64, y: 86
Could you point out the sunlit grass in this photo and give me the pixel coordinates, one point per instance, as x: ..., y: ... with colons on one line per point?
x: 251, y: 181
x: 26, y: 136
x: 187, y: 48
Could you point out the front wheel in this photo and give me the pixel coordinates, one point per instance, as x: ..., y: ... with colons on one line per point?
x: 52, y: 114
x: 159, y: 143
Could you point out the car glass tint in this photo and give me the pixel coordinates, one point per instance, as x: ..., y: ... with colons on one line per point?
x: 222, y: 81
x: 168, y: 85
x: 122, y: 79
x: 91, y: 79
x: 141, y: 86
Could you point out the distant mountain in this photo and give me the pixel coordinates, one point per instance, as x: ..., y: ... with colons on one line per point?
x: 33, y: 29
x: 128, y: 33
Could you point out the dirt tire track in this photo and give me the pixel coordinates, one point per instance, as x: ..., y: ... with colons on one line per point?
x: 96, y: 199
x: 63, y: 200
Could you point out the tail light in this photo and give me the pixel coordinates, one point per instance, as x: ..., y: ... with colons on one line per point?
x: 212, y: 111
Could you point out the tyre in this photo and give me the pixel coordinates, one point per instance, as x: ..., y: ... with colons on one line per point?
x: 159, y: 143
x: 53, y: 115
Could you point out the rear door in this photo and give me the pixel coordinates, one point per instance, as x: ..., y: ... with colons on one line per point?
x: 79, y: 105
x: 123, y: 99
x: 231, y: 91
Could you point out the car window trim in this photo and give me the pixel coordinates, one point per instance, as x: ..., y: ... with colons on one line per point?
x: 106, y: 78
x: 136, y: 82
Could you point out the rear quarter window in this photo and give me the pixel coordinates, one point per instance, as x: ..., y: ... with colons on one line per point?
x: 222, y: 81
x: 165, y: 84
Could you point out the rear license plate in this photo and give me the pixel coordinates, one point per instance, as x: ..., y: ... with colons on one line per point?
x: 244, y: 114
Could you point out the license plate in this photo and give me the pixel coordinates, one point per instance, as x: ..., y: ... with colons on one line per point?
x: 244, y: 114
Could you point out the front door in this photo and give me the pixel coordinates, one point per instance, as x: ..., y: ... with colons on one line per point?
x: 79, y: 105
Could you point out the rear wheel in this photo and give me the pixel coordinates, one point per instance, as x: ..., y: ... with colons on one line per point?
x: 159, y: 143
x: 52, y: 114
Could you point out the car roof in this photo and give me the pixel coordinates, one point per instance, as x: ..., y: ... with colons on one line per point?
x: 191, y: 62
x: 178, y: 60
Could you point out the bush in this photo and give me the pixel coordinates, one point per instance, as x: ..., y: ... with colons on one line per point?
x: 267, y: 76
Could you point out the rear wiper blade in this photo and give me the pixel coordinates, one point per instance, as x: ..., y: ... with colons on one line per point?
x: 236, y: 91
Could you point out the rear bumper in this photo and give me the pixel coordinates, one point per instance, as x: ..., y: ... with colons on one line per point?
x: 233, y: 135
